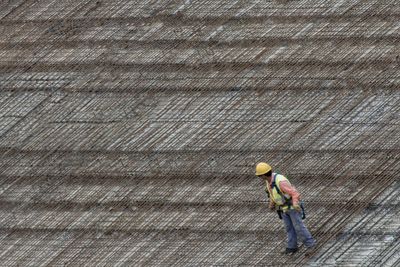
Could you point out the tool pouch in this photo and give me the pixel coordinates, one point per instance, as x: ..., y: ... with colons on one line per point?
x: 303, y: 211
x: 279, y: 214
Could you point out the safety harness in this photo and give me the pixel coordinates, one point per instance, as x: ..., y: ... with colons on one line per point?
x: 287, y: 203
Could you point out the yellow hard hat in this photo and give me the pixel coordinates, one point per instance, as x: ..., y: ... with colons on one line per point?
x: 262, y: 168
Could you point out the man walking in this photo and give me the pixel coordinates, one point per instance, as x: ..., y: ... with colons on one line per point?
x: 284, y: 198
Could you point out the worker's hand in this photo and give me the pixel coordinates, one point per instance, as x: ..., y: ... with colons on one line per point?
x: 271, y: 206
x: 297, y: 207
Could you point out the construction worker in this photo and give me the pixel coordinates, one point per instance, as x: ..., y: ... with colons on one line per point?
x: 284, y: 198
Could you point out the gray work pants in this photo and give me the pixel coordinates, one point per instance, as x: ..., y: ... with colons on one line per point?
x: 295, y: 227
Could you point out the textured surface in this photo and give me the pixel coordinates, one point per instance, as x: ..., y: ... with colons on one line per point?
x: 129, y: 130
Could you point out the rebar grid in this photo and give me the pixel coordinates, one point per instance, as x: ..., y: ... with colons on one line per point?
x: 130, y: 130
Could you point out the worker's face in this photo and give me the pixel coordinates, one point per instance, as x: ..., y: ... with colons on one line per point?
x: 263, y: 177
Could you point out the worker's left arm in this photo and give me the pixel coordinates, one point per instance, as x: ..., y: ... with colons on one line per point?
x: 289, y: 189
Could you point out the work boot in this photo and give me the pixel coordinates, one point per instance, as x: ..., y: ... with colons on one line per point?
x: 290, y: 251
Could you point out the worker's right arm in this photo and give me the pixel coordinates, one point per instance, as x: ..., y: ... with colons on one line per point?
x: 289, y: 189
x: 271, y: 205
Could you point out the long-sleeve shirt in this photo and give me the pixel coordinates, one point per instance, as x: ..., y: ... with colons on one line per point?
x: 286, y: 188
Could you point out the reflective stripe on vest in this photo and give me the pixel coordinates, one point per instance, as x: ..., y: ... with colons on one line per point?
x: 273, y: 193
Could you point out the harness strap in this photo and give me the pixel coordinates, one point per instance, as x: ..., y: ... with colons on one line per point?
x: 287, y: 202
